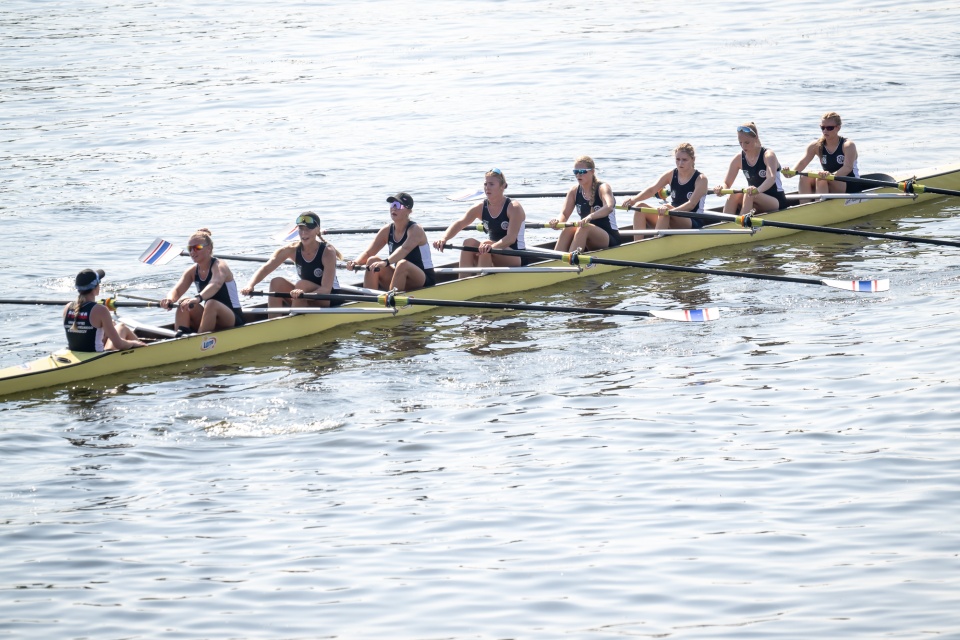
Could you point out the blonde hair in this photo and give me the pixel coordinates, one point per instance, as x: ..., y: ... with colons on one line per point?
x: 204, y: 233
x: 829, y: 115
x: 587, y: 160
x: 499, y: 174
x: 75, y: 307
x: 686, y: 148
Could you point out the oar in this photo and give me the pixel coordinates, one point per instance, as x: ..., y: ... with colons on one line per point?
x: 584, y: 260
x: 394, y: 300
x: 754, y: 222
x: 907, y: 186
x: 162, y: 251
x: 469, y: 194
x: 110, y: 303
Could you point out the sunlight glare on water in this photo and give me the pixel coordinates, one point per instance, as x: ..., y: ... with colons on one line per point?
x: 787, y: 471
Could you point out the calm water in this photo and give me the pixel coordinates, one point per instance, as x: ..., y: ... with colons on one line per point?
x: 789, y: 471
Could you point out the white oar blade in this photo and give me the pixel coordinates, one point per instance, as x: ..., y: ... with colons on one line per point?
x: 860, y: 286
x: 160, y: 252
x: 288, y: 236
x: 689, y: 315
x: 465, y: 195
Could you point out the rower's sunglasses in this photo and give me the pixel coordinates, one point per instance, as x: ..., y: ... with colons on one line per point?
x: 196, y: 247
x: 496, y: 171
x: 396, y: 204
x: 829, y: 127
x: 746, y: 130
x: 308, y: 221
x: 580, y: 172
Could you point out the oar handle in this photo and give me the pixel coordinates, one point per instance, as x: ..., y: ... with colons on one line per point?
x: 906, y: 186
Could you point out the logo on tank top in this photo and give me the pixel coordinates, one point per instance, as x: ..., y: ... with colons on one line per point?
x: 689, y: 195
x: 318, y: 273
x: 762, y: 173
x: 505, y: 224
x: 840, y: 158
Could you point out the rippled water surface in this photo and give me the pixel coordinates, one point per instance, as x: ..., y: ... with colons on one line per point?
x: 790, y: 470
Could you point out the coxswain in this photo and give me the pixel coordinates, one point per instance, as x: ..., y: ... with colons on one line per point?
x: 88, y: 323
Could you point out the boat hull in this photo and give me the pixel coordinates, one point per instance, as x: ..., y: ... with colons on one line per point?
x: 65, y: 367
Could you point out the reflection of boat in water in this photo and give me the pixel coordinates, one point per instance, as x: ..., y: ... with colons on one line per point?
x: 65, y: 366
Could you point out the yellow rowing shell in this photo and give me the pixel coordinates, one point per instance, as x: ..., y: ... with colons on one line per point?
x: 65, y: 367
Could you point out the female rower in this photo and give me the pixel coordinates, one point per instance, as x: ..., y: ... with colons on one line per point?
x: 88, y: 323
x: 762, y: 171
x: 837, y: 155
x: 408, y: 264
x: 216, y: 305
x: 594, y: 202
x: 688, y: 192
x: 316, y: 262
x: 503, y: 220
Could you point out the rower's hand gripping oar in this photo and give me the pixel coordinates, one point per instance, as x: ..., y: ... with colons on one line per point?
x: 393, y: 300
x: 584, y: 260
x: 907, y: 186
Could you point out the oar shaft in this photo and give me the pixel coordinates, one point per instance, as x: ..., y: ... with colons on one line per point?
x: 401, y: 300
x: 107, y: 302
x: 584, y: 260
x: 755, y: 222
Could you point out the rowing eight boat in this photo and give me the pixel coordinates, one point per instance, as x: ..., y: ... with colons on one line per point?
x: 67, y: 367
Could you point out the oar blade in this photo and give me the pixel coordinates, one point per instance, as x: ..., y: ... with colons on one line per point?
x: 860, y: 286
x: 707, y: 314
x: 465, y: 195
x: 159, y: 253
x: 289, y: 235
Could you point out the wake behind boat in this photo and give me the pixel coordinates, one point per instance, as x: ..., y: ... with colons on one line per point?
x: 65, y: 367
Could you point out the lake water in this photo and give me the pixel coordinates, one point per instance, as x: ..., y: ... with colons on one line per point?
x: 790, y: 470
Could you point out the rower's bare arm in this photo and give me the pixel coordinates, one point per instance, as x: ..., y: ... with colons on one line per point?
x: 516, y: 218
x: 810, y: 154
x: 773, y: 165
x: 378, y: 242
x: 279, y: 256
x: 732, y: 171
x: 609, y: 202
x: 568, y: 205
x: 178, y: 290
x: 457, y: 226
x: 849, y: 159
x: 700, y: 189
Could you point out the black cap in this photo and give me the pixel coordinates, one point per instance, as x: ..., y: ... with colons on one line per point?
x: 88, y: 279
x: 403, y: 198
x: 309, y: 219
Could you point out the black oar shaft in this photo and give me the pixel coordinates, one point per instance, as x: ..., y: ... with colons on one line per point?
x: 109, y: 302
x: 402, y: 300
x: 585, y: 260
x: 756, y: 222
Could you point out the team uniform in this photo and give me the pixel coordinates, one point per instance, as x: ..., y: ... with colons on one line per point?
x: 833, y: 162
x: 756, y: 174
x: 608, y: 224
x: 419, y: 256
x: 680, y: 193
x: 81, y: 335
x: 496, y: 227
x: 313, y: 271
x: 227, y: 293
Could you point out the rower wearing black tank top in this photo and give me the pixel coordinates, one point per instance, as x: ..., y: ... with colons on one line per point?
x: 761, y: 168
x: 688, y: 193
x: 837, y: 156
x: 594, y: 202
x: 408, y: 264
x: 504, y: 230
